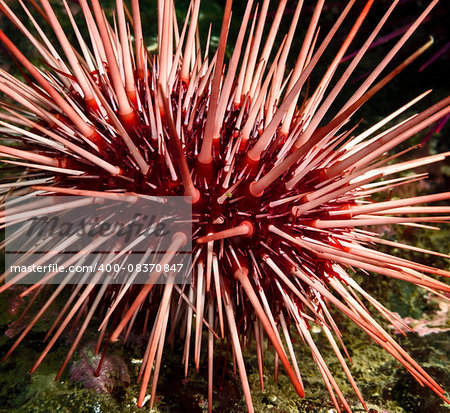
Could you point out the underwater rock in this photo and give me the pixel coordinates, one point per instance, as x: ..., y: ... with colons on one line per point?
x: 112, y: 377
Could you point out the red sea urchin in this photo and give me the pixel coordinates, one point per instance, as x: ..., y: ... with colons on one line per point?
x: 277, y: 200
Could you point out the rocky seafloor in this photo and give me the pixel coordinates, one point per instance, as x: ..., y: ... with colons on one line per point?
x: 386, y: 386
